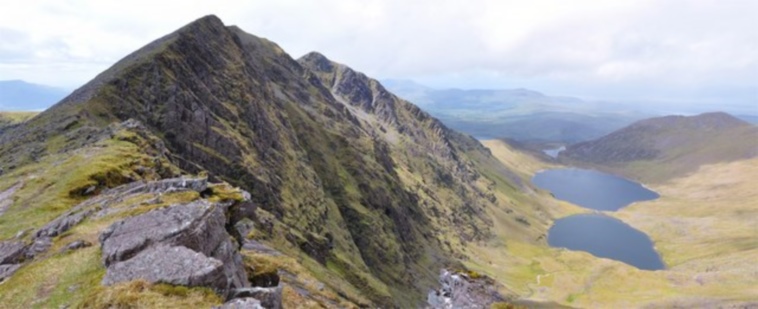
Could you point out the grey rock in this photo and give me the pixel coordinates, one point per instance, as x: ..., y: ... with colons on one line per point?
x: 198, y: 226
x: 460, y: 292
x: 165, y: 185
x: 6, y: 199
x: 40, y: 245
x: 7, y: 270
x: 11, y: 252
x: 244, y: 226
x: 77, y: 244
x: 270, y: 297
x: 63, y: 223
x: 173, y: 265
x: 259, y: 247
x: 242, y: 303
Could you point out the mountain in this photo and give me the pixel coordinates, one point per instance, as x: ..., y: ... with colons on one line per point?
x: 518, y: 114
x: 316, y: 176
x: 18, y: 95
x: 661, y: 148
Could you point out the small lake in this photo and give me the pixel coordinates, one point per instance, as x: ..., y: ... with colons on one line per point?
x: 592, y: 189
x: 598, y: 234
x: 605, y: 237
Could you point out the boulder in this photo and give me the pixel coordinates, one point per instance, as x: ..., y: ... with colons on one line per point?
x: 198, y: 226
x: 63, y: 223
x: 77, y: 244
x: 7, y: 270
x: 12, y: 252
x: 40, y: 245
x: 460, y: 291
x: 270, y: 297
x: 242, y: 303
x: 173, y: 265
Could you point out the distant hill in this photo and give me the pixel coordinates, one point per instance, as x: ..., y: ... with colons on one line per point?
x: 18, y: 95
x: 518, y: 114
x: 661, y: 148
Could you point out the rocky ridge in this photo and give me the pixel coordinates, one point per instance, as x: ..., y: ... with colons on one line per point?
x: 365, y: 189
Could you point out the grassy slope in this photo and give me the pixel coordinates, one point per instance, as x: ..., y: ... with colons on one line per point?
x: 55, y: 279
x: 718, y: 203
x: 11, y: 118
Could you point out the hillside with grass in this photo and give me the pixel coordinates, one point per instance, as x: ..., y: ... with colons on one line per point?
x: 702, y: 225
x: 307, y: 173
x: 659, y: 149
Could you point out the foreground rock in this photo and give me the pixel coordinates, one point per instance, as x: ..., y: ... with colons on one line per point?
x: 183, y: 244
x: 172, y: 265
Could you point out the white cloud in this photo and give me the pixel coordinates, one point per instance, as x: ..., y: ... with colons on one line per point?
x: 589, y: 45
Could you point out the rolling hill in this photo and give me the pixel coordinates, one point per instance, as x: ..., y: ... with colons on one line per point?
x: 657, y: 149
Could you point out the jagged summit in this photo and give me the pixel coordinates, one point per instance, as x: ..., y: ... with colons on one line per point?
x: 316, y: 62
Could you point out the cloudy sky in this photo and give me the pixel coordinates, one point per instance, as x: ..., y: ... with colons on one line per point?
x: 687, y: 52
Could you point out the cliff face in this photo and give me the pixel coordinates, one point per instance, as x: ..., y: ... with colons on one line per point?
x: 365, y: 184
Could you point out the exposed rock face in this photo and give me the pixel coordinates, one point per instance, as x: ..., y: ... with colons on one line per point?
x: 181, y: 244
x: 459, y: 291
x: 242, y: 303
x: 269, y: 297
x: 173, y: 265
x: 7, y: 270
x: 5, y: 196
x: 75, y: 245
x: 11, y: 252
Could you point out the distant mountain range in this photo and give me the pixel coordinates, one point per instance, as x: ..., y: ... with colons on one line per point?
x: 18, y: 95
x: 518, y: 114
x: 674, y: 145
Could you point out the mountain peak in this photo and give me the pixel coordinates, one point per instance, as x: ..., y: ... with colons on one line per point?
x: 317, y: 62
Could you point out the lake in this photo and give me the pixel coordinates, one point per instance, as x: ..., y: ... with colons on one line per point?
x: 592, y: 189
x: 598, y: 234
x: 605, y: 237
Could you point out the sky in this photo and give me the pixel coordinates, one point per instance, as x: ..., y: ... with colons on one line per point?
x: 696, y: 53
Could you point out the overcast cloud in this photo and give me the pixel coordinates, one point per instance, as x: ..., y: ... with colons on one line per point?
x: 685, y: 51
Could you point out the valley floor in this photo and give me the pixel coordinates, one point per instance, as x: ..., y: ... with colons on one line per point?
x: 704, y: 227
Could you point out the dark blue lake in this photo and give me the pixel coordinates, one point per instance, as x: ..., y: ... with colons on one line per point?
x: 606, y: 237
x: 592, y: 189
x: 600, y: 235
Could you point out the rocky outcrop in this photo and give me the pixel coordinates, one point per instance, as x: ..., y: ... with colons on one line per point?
x: 6, y: 196
x: 76, y: 245
x: 242, y: 303
x: 173, y: 265
x: 461, y: 291
x: 11, y: 252
x: 183, y: 244
x: 7, y: 270
x: 269, y: 297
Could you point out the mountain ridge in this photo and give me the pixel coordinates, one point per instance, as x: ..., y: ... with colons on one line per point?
x: 346, y: 174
